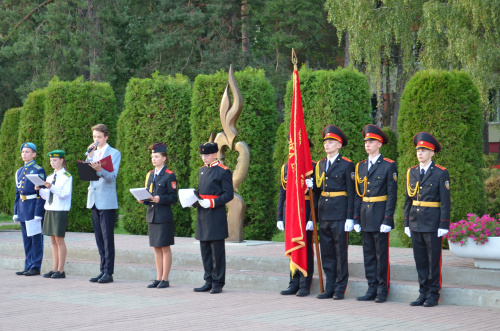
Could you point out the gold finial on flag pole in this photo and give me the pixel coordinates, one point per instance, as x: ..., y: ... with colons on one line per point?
x: 294, y: 59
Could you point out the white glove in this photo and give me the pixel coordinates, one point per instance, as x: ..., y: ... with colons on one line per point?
x: 349, y: 224
x: 309, y: 226
x: 37, y: 218
x: 357, y: 227
x: 205, y: 203
x: 309, y: 183
x: 442, y: 232
x: 15, y: 218
x: 385, y: 228
x: 407, y: 231
x: 280, y: 225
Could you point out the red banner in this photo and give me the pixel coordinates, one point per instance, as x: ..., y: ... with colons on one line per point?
x: 299, y: 166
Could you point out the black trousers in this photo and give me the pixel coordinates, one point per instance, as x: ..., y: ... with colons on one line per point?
x: 213, y: 255
x: 427, y: 251
x: 298, y: 280
x: 334, y: 245
x: 104, y: 227
x: 376, y: 260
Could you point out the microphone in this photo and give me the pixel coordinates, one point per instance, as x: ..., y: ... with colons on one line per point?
x: 90, y: 149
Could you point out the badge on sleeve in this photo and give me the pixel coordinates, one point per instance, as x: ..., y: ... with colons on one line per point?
x: 352, y: 175
x: 395, y: 177
x: 447, y: 184
x: 174, y: 185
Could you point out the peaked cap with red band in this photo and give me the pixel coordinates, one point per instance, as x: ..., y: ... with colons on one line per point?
x: 373, y: 132
x: 426, y: 140
x: 333, y: 132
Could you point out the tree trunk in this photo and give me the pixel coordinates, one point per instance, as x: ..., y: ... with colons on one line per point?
x: 347, y: 55
x: 93, y: 42
x: 245, y: 37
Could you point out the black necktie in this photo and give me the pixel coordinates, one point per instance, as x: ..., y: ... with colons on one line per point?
x: 422, y: 174
x: 51, y: 195
x: 370, y: 165
x: 328, y: 165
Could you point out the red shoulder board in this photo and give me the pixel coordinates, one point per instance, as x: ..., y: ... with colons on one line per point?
x: 322, y: 159
x: 223, y: 166
x: 343, y: 157
x: 388, y: 160
x: 151, y: 171
x: 413, y: 167
x: 361, y: 161
x: 440, y: 167
x: 168, y: 171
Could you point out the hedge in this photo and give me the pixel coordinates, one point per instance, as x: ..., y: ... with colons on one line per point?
x: 156, y: 110
x: 10, y: 159
x: 447, y: 105
x: 31, y: 127
x: 72, y: 108
x: 257, y: 126
x: 341, y: 98
x: 390, y: 150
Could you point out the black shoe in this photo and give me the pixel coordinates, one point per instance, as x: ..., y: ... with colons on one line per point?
x: 21, y: 273
x: 367, y: 297
x: 154, y: 284
x: 289, y: 291
x: 303, y: 292
x: 163, y: 284
x: 32, y: 272
x: 105, y: 279
x: 58, y: 274
x: 215, y: 290
x: 95, y: 279
x: 49, y: 274
x: 381, y: 298
x: 420, y: 301
x: 324, y: 295
x: 205, y: 288
x: 338, y: 296
x: 430, y: 302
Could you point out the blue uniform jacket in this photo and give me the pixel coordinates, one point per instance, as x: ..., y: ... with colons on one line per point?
x: 27, y: 210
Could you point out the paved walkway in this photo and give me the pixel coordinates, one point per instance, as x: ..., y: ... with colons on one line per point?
x: 76, y: 304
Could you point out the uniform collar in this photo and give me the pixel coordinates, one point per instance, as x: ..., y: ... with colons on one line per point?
x: 159, y: 172
x: 62, y: 170
x: 374, y: 160
x: 333, y: 158
x: 425, y: 168
x: 29, y: 164
x: 213, y: 164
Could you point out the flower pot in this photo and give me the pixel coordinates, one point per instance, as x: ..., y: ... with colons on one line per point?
x: 485, y: 256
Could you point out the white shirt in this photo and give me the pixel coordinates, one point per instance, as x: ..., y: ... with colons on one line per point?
x: 61, y: 190
x: 331, y: 160
x: 98, y: 153
x: 372, y: 161
x: 425, y: 168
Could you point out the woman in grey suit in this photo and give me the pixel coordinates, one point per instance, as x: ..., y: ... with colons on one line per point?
x: 162, y: 184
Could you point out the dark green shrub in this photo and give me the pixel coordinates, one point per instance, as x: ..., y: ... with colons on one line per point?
x: 341, y: 98
x: 445, y: 104
x: 390, y: 150
x: 156, y: 110
x: 31, y: 127
x: 72, y: 108
x: 10, y: 159
x: 257, y: 126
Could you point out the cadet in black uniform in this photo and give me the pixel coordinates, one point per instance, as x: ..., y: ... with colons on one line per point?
x: 427, y: 217
x: 299, y: 285
x: 376, y: 186
x: 28, y: 206
x: 335, y: 182
x: 215, y: 187
x: 162, y: 184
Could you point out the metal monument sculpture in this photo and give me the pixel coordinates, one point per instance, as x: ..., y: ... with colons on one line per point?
x: 229, y: 114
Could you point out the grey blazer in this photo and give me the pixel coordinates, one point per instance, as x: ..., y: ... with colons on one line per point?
x: 102, y: 193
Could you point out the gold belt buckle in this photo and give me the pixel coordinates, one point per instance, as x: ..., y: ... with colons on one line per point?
x: 23, y: 198
x: 416, y: 203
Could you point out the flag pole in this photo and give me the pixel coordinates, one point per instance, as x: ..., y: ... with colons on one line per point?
x: 313, y: 212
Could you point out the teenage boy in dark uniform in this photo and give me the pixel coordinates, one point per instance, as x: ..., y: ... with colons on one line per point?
x: 376, y: 186
x: 28, y: 206
x: 427, y: 217
x: 335, y: 183
x: 299, y: 285
x: 215, y: 187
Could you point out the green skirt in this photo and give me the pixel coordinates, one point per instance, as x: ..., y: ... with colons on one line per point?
x: 55, y: 223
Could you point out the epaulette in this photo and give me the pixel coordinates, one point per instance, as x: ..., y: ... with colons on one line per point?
x: 223, y: 166
x: 413, y: 167
x: 440, y: 167
x: 67, y: 174
x: 321, y: 159
x: 388, y: 160
x: 168, y: 171
x: 151, y: 171
x: 343, y: 157
x: 361, y: 161
x: 36, y: 166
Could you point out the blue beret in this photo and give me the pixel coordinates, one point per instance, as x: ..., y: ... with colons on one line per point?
x: 29, y: 145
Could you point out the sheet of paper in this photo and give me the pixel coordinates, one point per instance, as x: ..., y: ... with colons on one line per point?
x: 33, y: 227
x: 35, y: 179
x: 187, y: 197
x: 141, y: 193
